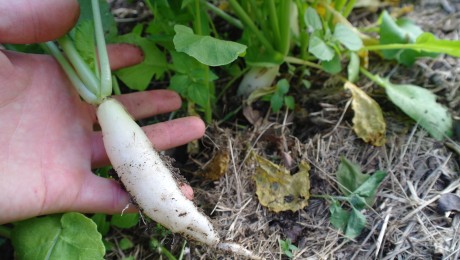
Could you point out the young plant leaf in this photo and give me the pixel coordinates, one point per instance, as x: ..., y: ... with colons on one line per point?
x: 103, y: 226
x: 349, y: 176
x: 61, y: 236
x: 277, y: 189
x: 206, y: 49
x: 356, y: 223
x: 347, y: 37
x: 320, y: 49
x: 369, y: 188
x: 138, y: 77
x: 333, y: 66
x: 420, y: 104
x: 339, y: 216
x: 368, y: 122
x: 312, y: 19
x: 125, y: 220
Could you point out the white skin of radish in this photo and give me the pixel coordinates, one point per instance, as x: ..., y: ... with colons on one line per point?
x: 147, y: 178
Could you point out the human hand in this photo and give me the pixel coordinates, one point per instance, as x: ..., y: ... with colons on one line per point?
x: 48, y: 146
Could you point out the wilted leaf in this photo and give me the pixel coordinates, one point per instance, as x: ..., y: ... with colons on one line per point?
x: 206, y: 49
x: 217, y: 166
x: 368, y: 122
x: 61, y: 236
x: 420, y: 104
x: 277, y: 189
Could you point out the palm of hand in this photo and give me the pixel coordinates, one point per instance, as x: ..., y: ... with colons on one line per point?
x: 48, y: 146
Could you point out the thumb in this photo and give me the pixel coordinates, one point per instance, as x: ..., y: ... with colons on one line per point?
x: 30, y: 21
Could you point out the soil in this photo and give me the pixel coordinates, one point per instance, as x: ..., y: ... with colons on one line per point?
x: 404, y: 223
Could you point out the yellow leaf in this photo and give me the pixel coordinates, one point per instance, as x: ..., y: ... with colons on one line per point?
x: 216, y: 167
x: 368, y: 122
x: 277, y: 189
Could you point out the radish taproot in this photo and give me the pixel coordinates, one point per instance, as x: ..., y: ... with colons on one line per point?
x: 147, y: 178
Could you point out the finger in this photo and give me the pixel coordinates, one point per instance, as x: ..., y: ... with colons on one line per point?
x: 28, y: 21
x: 148, y: 103
x: 163, y: 136
x: 124, y: 55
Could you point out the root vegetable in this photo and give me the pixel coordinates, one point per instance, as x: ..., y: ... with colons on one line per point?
x: 151, y: 183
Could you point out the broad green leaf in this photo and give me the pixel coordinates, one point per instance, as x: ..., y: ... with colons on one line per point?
x: 206, y: 49
x: 125, y: 220
x: 402, y: 31
x: 277, y: 189
x: 339, y: 216
x: 420, y: 104
x: 320, y: 49
x: 139, y: 76
x: 353, y: 67
x: 289, y: 102
x: 180, y: 84
x: 347, y: 37
x: 312, y: 19
x: 349, y: 176
x: 61, y: 236
x: 368, y: 122
x: 333, y: 66
x: 282, y: 86
x: 356, y: 223
x: 199, y: 94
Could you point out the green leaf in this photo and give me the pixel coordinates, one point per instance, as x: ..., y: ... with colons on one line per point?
x: 138, y: 77
x: 369, y: 188
x: 206, y: 49
x: 353, y: 67
x: 402, y: 31
x: 420, y: 104
x: 356, y: 223
x: 312, y: 19
x: 103, y: 226
x: 347, y: 37
x: 108, y: 22
x: 180, y: 84
x: 199, y: 94
x: 282, y: 86
x: 289, y: 102
x: 320, y: 49
x: 428, y: 42
x: 125, y: 243
x: 349, y: 176
x: 61, y: 236
x: 125, y: 220
x: 339, y: 216
x: 276, y: 102
x: 333, y: 66
x: 85, y: 43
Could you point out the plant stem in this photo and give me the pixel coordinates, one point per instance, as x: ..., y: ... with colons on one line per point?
x: 372, y: 77
x: 348, y: 8
x: 84, y: 72
x: 273, y: 18
x: 81, y: 88
x: 230, y: 19
x: 197, y: 23
x: 106, y: 74
x: 285, y: 26
x: 239, y: 11
x: 5, y: 232
x: 298, y: 61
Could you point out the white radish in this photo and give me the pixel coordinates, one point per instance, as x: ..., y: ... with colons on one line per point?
x: 256, y: 78
x: 150, y: 182
x: 147, y: 178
